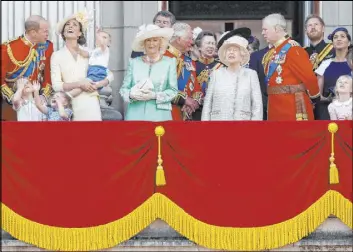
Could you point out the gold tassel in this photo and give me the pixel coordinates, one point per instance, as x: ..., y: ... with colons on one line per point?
x: 334, y: 176
x: 160, y: 177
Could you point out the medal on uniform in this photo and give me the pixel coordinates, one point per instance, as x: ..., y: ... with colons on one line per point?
x: 279, y: 80
x: 279, y: 70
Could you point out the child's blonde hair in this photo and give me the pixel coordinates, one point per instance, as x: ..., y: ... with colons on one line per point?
x: 341, y: 78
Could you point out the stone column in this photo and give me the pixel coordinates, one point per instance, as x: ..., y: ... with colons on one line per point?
x: 335, y: 14
x: 122, y: 19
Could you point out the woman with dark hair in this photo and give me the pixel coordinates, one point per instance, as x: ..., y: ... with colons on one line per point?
x: 206, y: 63
x: 330, y: 70
x: 69, y: 68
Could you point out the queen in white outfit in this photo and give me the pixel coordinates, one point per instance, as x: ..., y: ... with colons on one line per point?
x: 234, y: 91
x: 69, y: 68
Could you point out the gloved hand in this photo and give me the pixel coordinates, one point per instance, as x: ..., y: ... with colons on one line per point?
x: 136, y: 94
x: 148, y: 95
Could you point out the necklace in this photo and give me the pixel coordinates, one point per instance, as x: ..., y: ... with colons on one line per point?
x: 152, y: 61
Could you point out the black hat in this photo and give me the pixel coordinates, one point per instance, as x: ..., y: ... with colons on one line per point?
x: 243, y: 31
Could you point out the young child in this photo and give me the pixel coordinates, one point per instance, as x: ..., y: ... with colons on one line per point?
x: 59, y: 108
x: 98, y: 62
x: 24, y: 104
x: 341, y: 106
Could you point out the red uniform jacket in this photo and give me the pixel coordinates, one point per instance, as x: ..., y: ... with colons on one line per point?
x: 187, y: 83
x: 292, y: 85
x: 16, y: 58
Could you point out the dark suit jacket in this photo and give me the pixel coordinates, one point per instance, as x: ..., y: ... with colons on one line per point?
x: 136, y: 54
x: 256, y: 64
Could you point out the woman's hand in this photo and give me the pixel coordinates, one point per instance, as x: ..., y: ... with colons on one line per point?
x: 87, y: 86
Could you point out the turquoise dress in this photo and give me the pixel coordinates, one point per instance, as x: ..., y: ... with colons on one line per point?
x: 164, y: 78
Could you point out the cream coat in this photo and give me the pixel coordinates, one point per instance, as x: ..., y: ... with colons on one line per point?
x: 64, y: 68
x: 233, y: 97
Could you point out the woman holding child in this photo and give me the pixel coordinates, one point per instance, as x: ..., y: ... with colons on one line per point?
x: 150, y: 83
x: 69, y: 67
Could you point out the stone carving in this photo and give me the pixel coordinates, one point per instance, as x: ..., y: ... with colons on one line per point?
x: 105, y: 99
x: 233, y: 10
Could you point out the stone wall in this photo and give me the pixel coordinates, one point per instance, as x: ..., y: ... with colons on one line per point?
x: 337, y: 13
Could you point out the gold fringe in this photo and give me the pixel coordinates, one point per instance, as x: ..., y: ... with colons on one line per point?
x: 159, y: 206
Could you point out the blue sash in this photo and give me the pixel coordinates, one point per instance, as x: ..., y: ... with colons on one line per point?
x: 41, y: 48
x: 183, y: 81
x: 274, y: 63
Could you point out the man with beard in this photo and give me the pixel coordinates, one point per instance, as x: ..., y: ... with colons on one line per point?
x: 318, y: 50
x: 162, y: 19
x: 189, y: 96
x: 206, y: 63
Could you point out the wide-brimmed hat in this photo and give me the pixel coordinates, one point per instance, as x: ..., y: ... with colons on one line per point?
x: 151, y: 31
x: 243, y: 31
x: 84, y: 17
x: 238, y: 41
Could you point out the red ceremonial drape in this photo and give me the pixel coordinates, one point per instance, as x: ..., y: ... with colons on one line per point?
x: 234, y: 174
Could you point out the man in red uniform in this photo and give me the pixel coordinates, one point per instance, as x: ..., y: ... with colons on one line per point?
x: 290, y: 81
x: 27, y: 56
x: 190, y: 94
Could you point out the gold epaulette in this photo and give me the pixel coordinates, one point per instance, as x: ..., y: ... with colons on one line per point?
x: 267, y: 57
x: 10, y: 40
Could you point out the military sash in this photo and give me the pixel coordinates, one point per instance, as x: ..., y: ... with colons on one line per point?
x: 274, y: 63
x: 319, y: 58
x: 185, y: 73
x: 26, y: 68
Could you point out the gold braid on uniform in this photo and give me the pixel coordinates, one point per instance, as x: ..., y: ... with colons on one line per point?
x: 267, y: 58
x: 178, y: 96
x: 20, y: 64
x: 203, y: 76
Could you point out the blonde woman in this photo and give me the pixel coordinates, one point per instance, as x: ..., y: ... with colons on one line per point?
x: 150, y: 83
x: 234, y: 91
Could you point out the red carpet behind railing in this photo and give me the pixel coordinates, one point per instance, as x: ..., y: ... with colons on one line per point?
x: 235, y: 186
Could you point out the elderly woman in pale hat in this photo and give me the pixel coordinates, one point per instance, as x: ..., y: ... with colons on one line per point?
x: 69, y: 68
x: 234, y: 91
x: 150, y: 83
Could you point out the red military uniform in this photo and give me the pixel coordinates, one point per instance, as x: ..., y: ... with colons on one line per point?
x: 187, y: 83
x: 20, y: 58
x: 292, y: 84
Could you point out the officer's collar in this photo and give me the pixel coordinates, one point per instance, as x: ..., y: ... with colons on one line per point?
x: 206, y: 61
x: 27, y: 41
x: 174, y: 51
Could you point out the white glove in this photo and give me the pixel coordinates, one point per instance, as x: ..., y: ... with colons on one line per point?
x: 148, y: 95
x: 136, y: 94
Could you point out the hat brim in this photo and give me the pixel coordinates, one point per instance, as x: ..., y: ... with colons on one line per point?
x: 222, y: 54
x: 164, y: 33
x: 60, y: 26
x: 243, y: 31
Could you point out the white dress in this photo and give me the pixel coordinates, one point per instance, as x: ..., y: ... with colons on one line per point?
x: 340, y: 110
x: 27, y: 111
x: 64, y: 68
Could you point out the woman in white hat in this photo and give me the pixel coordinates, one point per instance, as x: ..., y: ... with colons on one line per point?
x: 150, y: 83
x: 69, y: 68
x: 234, y: 91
